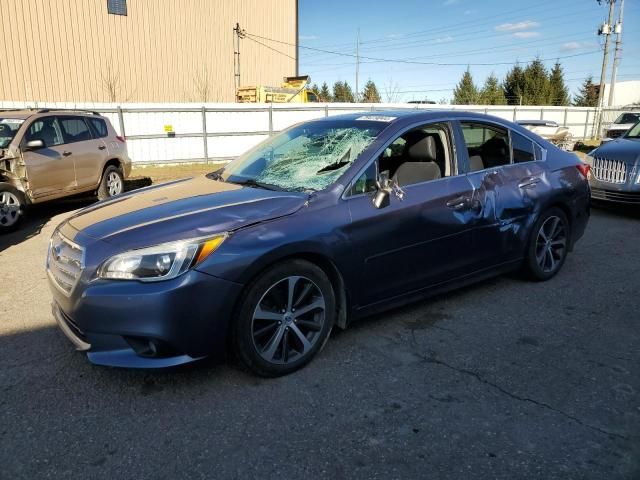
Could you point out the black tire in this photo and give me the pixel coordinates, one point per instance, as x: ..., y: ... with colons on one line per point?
x: 548, y: 245
x: 12, y: 203
x: 267, y: 354
x: 106, y: 189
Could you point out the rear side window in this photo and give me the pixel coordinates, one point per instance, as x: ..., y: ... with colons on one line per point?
x: 47, y: 130
x: 99, y: 127
x: 523, y: 150
x: 75, y: 129
x: 487, y: 145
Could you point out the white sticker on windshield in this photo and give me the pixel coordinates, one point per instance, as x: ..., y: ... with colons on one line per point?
x: 377, y: 118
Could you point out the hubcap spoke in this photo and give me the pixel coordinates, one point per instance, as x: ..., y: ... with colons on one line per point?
x: 315, y: 305
x: 291, y: 288
x: 261, y: 314
x: 273, y: 344
x: 311, y: 326
x: 306, y: 345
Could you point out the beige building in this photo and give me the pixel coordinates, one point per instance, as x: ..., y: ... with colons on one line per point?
x: 142, y: 50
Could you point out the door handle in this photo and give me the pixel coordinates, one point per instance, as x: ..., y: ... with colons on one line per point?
x: 66, y: 153
x: 458, y: 203
x: 101, y: 147
x: 529, y: 182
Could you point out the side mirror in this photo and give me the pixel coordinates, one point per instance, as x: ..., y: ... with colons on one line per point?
x: 34, y: 144
x: 381, y: 197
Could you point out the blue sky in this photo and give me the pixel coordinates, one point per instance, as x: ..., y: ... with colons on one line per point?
x: 462, y: 32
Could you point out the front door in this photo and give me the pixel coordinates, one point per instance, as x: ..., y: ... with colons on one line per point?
x: 422, y: 239
x: 50, y: 170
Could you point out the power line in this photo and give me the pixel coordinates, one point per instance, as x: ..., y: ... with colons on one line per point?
x: 415, y: 62
x: 267, y: 46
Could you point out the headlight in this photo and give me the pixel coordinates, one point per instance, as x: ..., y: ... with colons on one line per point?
x: 588, y: 159
x: 161, y: 262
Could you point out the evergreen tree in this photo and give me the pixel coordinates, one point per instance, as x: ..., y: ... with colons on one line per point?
x: 314, y: 88
x: 370, y: 94
x: 559, y: 91
x: 324, y: 95
x: 342, y: 92
x: 537, y: 89
x: 465, y: 93
x: 588, y: 96
x: 513, y: 85
x: 492, y: 93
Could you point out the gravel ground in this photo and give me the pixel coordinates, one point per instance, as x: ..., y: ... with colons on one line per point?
x: 506, y: 379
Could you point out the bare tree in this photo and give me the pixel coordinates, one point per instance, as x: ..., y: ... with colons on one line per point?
x: 391, y: 91
x: 201, y: 83
x: 111, y: 82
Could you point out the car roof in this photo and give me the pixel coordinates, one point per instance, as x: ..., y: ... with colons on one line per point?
x: 30, y: 112
x: 411, y: 115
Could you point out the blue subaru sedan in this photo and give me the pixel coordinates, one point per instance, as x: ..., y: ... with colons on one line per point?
x: 322, y: 224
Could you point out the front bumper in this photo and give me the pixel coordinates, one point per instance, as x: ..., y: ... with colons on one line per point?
x: 626, y: 193
x: 148, y: 325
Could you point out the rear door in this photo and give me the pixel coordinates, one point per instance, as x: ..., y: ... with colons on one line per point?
x: 503, y: 170
x: 86, y: 150
x: 50, y: 170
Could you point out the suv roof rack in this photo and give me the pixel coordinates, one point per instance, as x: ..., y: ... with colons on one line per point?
x: 79, y: 110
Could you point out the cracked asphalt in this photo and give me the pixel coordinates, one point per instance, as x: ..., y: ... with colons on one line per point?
x: 506, y: 379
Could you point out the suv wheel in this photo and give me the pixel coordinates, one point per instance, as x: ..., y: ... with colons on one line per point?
x: 112, y: 183
x: 549, y: 245
x: 285, y: 318
x: 11, y: 207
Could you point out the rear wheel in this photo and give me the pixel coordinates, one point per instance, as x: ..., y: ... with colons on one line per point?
x: 549, y: 245
x: 112, y: 183
x: 285, y: 318
x: 11, y: 207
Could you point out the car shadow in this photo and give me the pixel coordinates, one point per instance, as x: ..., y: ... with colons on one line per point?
x: 620, y: 210
x: 37, y: 216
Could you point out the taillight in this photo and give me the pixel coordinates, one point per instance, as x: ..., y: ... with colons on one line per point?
x: 584, y: 169
x: 120, y: 139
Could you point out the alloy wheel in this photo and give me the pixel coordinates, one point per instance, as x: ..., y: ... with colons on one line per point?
x: 288, y: 319
x: 114, y: 184
x: 9, y: 209
x: 551, y: 244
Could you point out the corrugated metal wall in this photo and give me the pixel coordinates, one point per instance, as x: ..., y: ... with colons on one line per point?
x: 162, y: 51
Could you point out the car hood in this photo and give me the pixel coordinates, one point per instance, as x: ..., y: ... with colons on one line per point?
x: 622, y: 149
x: 182, y: 209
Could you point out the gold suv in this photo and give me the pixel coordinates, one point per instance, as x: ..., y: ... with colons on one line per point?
x: 49, y: 154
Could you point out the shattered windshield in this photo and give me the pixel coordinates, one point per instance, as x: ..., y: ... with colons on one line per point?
x: 8, y: 129
x: 307, y: 157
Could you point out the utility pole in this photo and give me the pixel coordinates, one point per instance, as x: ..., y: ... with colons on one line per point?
x: 605, y: 30
x: 238, y: 34
x: 357, y: 64
x: 616, y: 58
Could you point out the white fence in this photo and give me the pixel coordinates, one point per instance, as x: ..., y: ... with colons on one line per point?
x: 220, y: 132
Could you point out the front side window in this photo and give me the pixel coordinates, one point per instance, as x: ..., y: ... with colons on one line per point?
x: 487, y: 145
x: 308, y: 157
x: 75, y: 129
x: 366, y: 182
x: 523, y: 150
x: 419, y: 155
x: 47, y: 130
x: 8, y: 129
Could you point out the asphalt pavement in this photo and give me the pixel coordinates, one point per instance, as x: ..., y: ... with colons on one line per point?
x: 507, y: 379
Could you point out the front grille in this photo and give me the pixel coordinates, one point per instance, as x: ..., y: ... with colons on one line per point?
x: 610, y: 171
x: 616, y: 196
x: 65, y: 262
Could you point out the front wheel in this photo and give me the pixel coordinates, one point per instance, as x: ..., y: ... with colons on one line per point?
x: 112, y: 183
x: 285, y: 318
x: 11, y: 207
x: 549, y: 245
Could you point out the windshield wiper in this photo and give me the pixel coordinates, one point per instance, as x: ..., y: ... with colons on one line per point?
x: 345, y: 160
x: 250, y: 182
